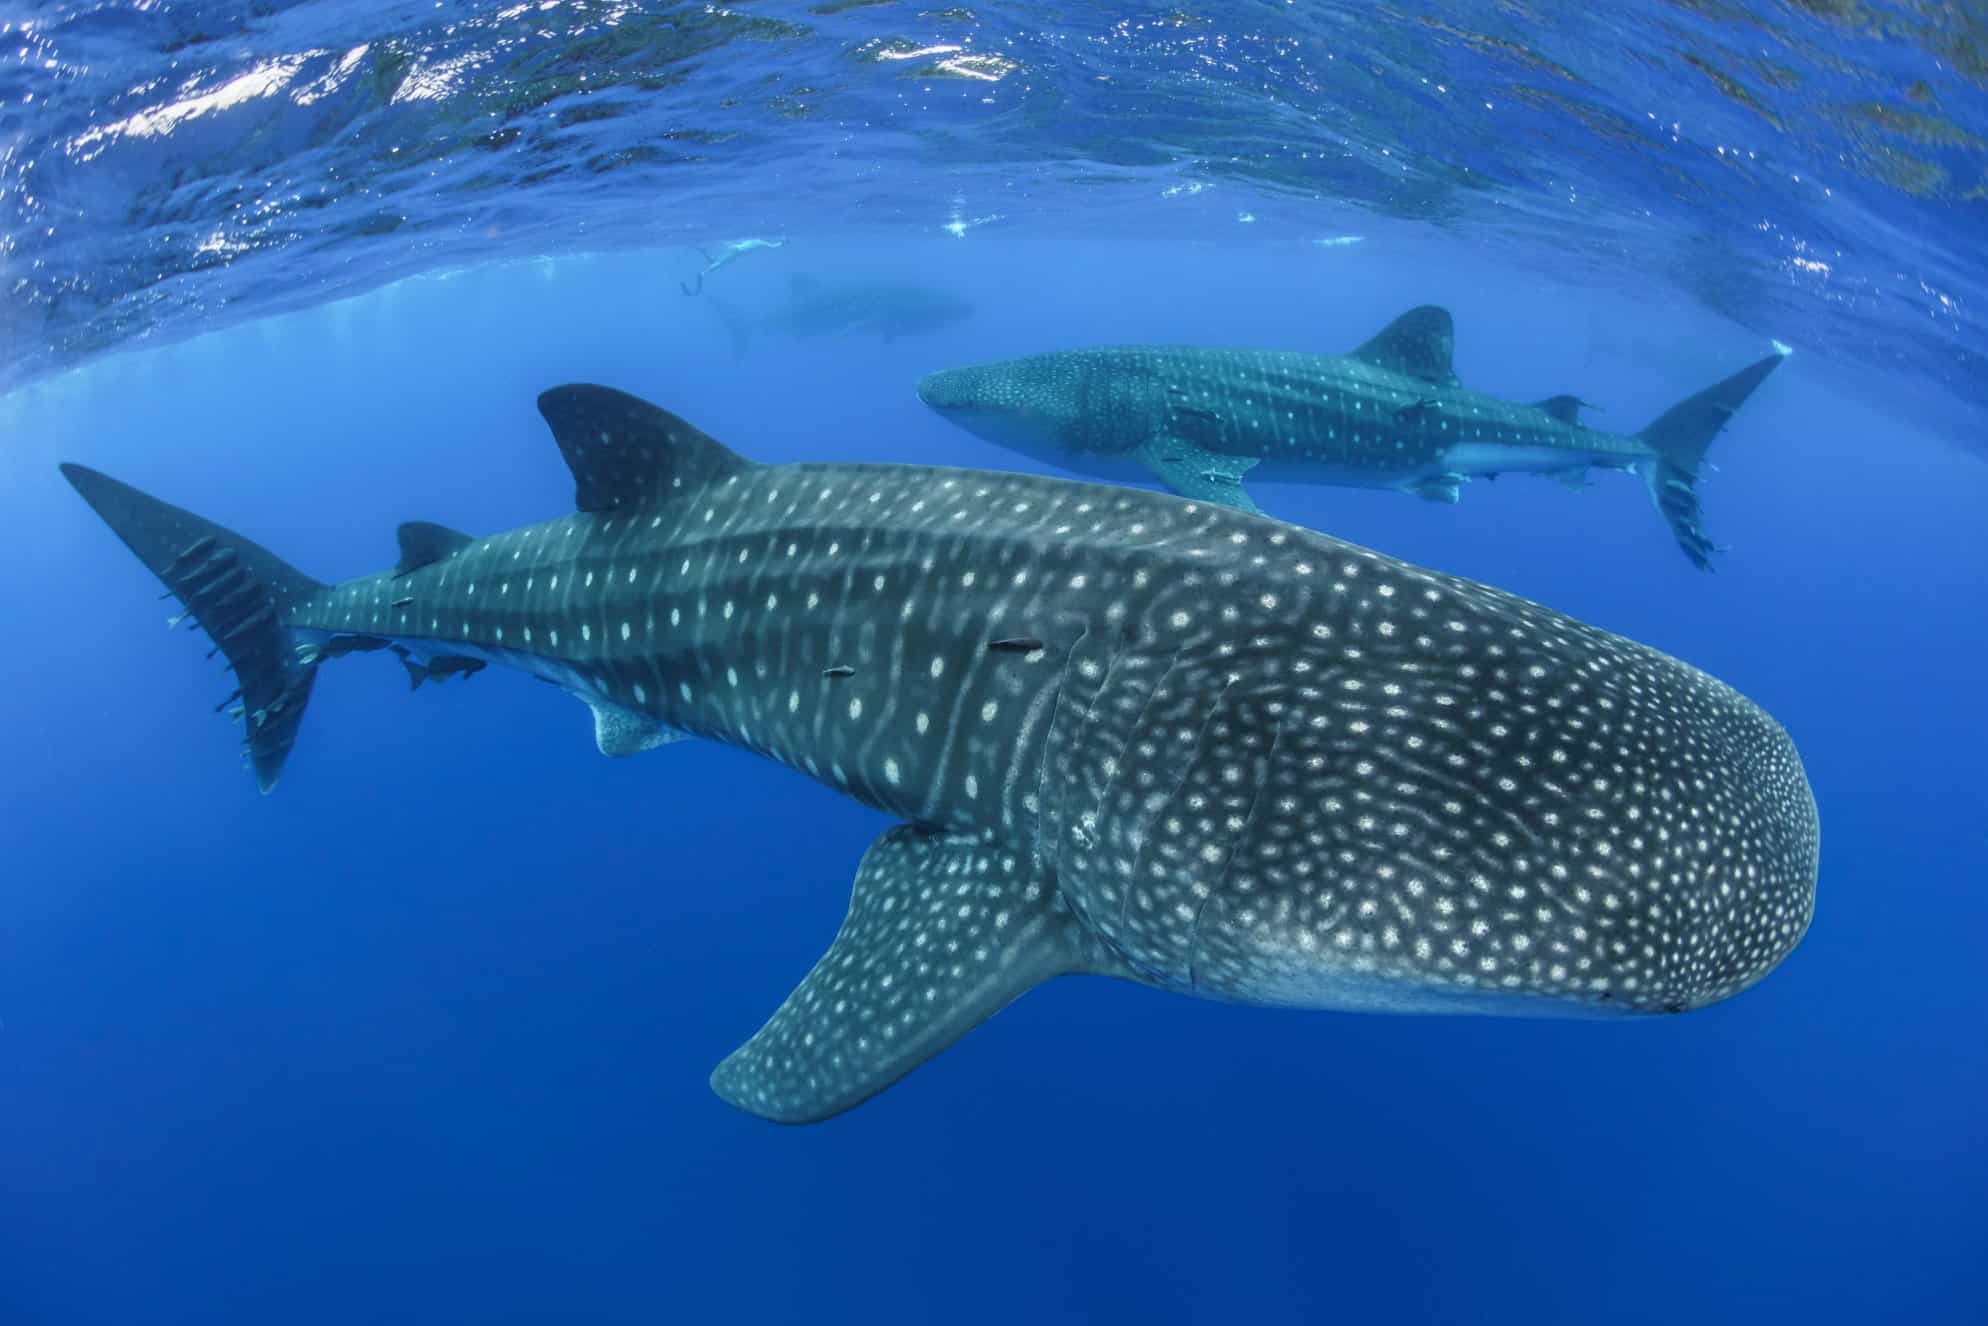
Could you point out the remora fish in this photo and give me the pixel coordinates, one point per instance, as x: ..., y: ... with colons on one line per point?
x: 1389, y: 415
x: 837, y: 308
x: 1125, y: 734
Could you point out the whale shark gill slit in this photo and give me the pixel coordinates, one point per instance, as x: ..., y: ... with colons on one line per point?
x: 1239, y: 827
x: 1169, y: 833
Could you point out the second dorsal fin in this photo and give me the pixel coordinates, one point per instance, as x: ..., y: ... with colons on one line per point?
x: 624, y: 451
x: 423, y: 543
x: 1420, y: 343
x: 1567, y: 409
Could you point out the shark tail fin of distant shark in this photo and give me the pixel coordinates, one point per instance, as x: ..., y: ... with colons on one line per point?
x: 237, y: 591
x: 1679, y: 438
x: 738, y: 331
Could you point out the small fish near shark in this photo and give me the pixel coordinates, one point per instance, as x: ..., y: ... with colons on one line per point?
x: 1389, y: 415
x: 1123, y: 733
x: 888, y: 308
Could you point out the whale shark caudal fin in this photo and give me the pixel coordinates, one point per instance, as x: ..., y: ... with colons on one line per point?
x: 237, y: 591
x: 738, y: 330
x: 942, y: 933
x: 1679, y: 437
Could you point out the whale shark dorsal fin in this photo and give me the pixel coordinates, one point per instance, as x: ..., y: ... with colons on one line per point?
x: 1420, y: 343
x: 423, y: 543
x: 942, y: 933
x: 624, y: 451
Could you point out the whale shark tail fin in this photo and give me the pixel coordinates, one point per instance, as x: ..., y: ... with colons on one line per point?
x: 1678, y: 439
x: 238, y: 591
x: 737, y: 329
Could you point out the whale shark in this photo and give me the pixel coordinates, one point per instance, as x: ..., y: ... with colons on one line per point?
x: 1391, y: 414
x: 1120, y: 733
x: 890, y: 308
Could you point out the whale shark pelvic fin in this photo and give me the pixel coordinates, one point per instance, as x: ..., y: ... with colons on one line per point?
x: 942, y: 933
x: 620, y: 731
x: 1445, y: 487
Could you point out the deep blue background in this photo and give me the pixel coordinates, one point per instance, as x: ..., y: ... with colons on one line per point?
x: 423, y: 1037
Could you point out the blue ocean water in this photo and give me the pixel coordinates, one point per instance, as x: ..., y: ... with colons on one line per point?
x: 424, y: 1035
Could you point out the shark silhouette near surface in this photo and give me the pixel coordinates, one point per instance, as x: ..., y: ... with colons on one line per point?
x: 1389, y: 415
x: 886, y: 308
x: 1123, y: 732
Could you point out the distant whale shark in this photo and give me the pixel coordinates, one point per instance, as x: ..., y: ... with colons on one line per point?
x: 889, y: 309
x: 1123, y: 733
x: 1389, y: 415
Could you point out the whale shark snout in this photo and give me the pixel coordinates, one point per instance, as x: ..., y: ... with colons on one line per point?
x: 979, y: 389
x: 948, y: 389
x: 1028, y: 405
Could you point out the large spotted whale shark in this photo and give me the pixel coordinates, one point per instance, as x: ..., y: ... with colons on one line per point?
x: 1124, y: 732
x: 1389, y: 415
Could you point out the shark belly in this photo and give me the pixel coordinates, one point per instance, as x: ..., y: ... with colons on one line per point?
x: 1325, y: 470
x: 1481, y: 458
x: 1440, y: 475
x: 1474, y: 458
x: 1295, y: 977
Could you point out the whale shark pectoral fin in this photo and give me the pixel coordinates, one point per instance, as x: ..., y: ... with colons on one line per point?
x: 1437, y: 487
x: 619, y: 731
x: 942, y: 933
x: 1194, y: 471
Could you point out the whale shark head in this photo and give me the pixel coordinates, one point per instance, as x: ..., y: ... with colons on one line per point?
x: 1041, y: 406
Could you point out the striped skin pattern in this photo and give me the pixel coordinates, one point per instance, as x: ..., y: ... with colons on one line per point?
x: 1136, y: 735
